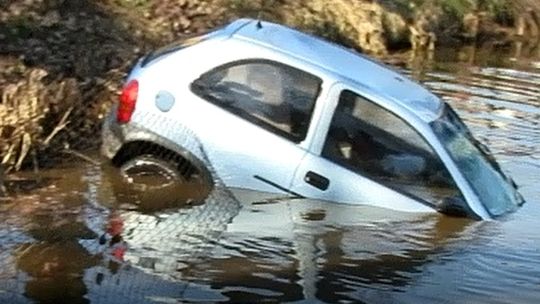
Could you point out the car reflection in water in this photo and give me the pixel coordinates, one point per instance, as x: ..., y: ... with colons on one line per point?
x: 321, y: 252
x: 241, y: 250
x: 250, y: 246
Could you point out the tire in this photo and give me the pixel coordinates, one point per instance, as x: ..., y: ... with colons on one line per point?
x: 152, y: 184
x: 148, y: 173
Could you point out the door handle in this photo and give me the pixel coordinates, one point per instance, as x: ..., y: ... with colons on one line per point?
x: 317, y: 180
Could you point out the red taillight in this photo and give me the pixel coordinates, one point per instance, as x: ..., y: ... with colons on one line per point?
x: 127, y: 99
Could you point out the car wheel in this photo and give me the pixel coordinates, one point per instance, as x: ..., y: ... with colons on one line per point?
x: 150, y: 184
x: 147, y: 172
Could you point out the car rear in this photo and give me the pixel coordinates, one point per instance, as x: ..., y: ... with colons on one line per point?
x: 140, y: 93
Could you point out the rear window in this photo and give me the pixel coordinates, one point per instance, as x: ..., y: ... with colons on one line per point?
x: 274, y: 96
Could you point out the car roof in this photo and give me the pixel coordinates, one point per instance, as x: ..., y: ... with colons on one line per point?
x: 343, y: 63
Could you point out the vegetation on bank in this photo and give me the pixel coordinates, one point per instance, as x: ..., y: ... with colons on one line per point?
x: 379, y: 26
x: 62, y: 61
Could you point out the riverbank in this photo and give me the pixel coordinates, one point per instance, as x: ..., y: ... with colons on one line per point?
x: 62, y: 62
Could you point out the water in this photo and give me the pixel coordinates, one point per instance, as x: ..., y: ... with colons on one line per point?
x: 57, y: 243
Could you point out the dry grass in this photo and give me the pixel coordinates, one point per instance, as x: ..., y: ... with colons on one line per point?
x: 27, y: 116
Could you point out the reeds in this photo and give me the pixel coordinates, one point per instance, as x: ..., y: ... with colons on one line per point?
x: 28, y: 109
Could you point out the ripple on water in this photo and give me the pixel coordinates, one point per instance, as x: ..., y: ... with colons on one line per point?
x: 499, y: 104
x: 503, y: 273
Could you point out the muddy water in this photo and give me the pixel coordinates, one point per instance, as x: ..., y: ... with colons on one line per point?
x: 77, y: 240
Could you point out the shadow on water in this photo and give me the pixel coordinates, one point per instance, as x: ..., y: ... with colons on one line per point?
x: 52, y: 259
x: 56, y: 270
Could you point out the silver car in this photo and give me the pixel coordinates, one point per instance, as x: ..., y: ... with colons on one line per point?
x: 272, y: 109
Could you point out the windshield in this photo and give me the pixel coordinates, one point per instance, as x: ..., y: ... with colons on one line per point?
x: 496, y: 191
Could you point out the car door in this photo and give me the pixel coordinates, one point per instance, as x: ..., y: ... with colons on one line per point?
x: 257, y: 113
x: 370, y: 155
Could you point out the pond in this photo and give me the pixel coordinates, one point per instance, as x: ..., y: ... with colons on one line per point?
x: 78, y: 239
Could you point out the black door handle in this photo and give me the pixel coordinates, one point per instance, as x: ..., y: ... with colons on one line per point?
x: 317, y: 180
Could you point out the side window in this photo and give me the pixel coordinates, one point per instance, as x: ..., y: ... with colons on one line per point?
x: 376, y: 143
x: 274, y: 96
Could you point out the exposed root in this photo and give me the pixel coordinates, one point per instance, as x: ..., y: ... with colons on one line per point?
x: 61, y: 125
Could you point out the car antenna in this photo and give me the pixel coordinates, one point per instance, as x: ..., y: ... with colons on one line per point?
x: 259, y: 23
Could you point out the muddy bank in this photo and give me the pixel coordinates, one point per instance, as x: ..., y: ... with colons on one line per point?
x: 60, y: 65
x: 62, y: 62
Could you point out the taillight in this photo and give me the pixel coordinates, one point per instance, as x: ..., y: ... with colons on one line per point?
x: 127, y: 101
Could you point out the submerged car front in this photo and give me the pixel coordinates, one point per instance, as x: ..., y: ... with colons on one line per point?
x: 494, y: 192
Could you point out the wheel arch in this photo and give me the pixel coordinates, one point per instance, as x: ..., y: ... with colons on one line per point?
x: 187, y: 163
